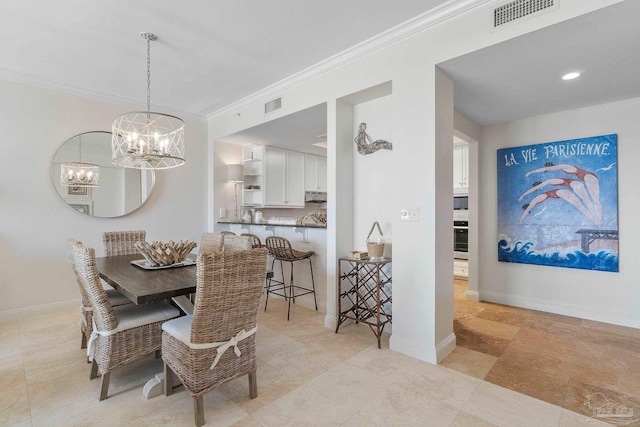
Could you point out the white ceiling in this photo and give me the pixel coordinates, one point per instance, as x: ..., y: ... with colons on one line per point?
x: 522, y: 77
x: 297, y: 132
x: 209, y: 53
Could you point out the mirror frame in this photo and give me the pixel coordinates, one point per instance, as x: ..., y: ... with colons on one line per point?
x: 66, y: 201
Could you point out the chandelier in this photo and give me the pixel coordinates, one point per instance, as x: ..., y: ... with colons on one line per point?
x: 144, y: 139
x: 79, y: 174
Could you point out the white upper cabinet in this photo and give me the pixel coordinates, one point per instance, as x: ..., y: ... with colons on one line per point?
x: 315, y: 173
x: 461, y: 169
x: 284, y: 177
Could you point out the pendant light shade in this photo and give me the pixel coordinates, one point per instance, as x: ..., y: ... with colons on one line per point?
x: 144, y: 139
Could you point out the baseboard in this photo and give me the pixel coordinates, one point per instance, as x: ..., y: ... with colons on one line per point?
x: 445, y: 347
x: 29, y: 312
x: 330, y: 321
x: 410, y: 348
x: 583, y: 312
x: 473, y: 296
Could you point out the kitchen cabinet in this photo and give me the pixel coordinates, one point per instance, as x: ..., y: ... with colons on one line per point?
x: 284, y: 178
x: 461, y: 169
x: 315, y: 173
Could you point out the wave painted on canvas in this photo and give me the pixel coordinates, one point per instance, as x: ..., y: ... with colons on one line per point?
x: 522, y: 252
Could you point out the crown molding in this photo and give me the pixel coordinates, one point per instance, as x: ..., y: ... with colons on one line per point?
x: 93, y: 94
x: 429, y: 19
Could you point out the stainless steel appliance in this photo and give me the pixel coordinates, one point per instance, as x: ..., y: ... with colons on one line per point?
x: 461, y: 227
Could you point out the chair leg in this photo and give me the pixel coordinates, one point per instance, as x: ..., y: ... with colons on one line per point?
x: 104, y: 385
x: 313, y: 284
x: 83, y: 340
x: 198, y: 406
x: 94, y: 370
x: 168, y: 380
x: 291, y: 292
x: 266, y: 301
x: 253, y: 384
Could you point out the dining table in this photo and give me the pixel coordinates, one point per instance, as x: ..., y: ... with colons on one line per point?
x: 142, y: 285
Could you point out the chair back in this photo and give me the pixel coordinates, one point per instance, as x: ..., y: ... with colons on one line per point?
x: 236, y: 243
x: 85, y: 261
x: 210, y: 242
x: 228, y: 291
x: 229, y: 233
x: 72, y: 261
x: 255, y: 240
x: 279, y: 248
x: 122, y: 242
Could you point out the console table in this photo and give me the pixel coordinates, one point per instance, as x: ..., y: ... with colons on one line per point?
x: 362, y: 295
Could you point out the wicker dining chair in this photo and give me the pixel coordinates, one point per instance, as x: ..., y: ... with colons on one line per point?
x: 236, y: 243
x: 229, y: 285
x: 210, y: 242
x: 122, y: 242
x: 86, y: 312
x: 255, y: 240
x: 120, y: 334
x: 230, y: 233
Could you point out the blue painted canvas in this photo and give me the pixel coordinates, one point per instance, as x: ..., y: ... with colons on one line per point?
x: 558, y: 204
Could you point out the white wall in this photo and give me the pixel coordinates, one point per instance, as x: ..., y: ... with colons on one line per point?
x: 372, y: 187
x: 422, y: 264
x: 602, y: 296
x: 225, y: 154
x: 35, y: 223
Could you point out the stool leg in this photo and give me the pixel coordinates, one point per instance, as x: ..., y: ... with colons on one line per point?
x: 292, y: 293
x: 266, y: 301
x: 313, y: 284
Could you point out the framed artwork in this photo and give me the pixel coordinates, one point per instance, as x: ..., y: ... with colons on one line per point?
x: 77, y: 191
x: 85, y: 208
x: 558, y: 204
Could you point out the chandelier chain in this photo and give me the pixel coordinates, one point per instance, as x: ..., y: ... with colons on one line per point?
x: 148, y: 75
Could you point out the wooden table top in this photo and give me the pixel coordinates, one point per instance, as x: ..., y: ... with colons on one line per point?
x: 142, y: 286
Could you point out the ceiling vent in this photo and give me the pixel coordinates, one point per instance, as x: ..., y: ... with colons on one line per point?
x: 272, y: 106
x: 518, y: 9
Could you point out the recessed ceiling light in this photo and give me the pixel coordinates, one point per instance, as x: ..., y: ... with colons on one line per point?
x: 571, y: 76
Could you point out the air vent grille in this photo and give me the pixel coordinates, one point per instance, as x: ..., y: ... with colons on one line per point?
x: 270, y: 106
x: 518, y: 9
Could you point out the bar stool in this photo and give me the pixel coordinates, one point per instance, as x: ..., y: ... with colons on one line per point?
x: 255, y: 240
x: 280, y: 249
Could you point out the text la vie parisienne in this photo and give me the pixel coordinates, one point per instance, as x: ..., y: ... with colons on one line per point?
x: 558, y: 150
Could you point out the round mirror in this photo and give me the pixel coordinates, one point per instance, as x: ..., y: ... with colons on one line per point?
x: 85, y: 179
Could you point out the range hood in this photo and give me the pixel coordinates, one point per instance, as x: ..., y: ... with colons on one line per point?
x: 315, y: 197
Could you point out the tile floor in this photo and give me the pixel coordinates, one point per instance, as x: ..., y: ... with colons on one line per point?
x: 557, y: 359
x: 308, y: 375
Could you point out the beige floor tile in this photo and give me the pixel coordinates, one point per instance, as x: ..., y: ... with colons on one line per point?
x: 218, y: 411
x: 615, y: 329
x: 341, y: 346
x: 488, y: 327
x: 358, y: 420
x: 247, y: 421
x: 439, y: 383
x: 402, y: 406
x: 273, y: 383
x: 383, y: 362
x: 467, y: 420
x: 350, y: 385
x: 14, y: 401
x: 504, y: 407
x: 304, y: 407
x: 469, y: 362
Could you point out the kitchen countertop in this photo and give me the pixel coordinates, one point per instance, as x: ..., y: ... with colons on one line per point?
x: 272, y: 225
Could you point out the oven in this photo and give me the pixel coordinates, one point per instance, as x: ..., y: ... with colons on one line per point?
x: 461, y: 239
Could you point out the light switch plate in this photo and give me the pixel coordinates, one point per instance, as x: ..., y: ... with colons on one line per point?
x: 410, y: 215
x: 222, y: 213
